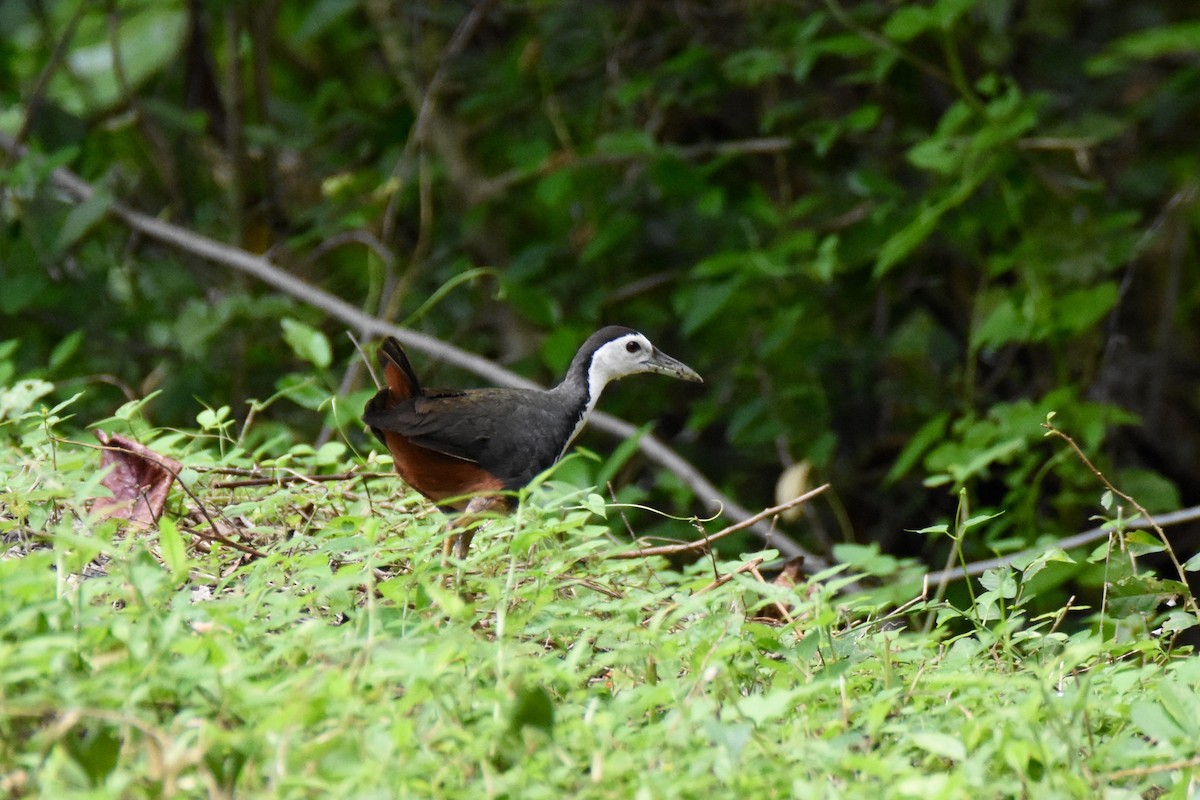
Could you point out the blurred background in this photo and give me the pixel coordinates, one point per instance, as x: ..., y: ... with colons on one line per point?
x: 892, y: 236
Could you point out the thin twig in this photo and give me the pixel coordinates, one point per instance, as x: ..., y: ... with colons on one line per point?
x: 703, y: 544
x: 280, y: 480
x: 720, y: 580
x: 214, y: 536
x: 1137, y: 772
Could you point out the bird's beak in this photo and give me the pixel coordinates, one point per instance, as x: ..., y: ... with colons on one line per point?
x: 663, y: 364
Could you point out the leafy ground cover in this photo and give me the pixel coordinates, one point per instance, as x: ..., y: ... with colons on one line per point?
x: 334, y: 655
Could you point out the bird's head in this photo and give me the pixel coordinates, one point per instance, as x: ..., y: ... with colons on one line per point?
x: 615, y: 352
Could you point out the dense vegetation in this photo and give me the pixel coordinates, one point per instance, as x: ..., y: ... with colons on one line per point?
x: 894, y: 238
x: 329, y: 655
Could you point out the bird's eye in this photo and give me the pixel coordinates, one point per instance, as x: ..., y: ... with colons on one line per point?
x: 632, y: 347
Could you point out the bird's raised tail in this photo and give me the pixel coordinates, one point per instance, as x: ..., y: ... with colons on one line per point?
x: 397, y: 372
x: 401, y: 379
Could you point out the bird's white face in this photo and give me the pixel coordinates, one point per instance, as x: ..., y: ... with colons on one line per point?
x: 623, y: 356
x: 629, y: 355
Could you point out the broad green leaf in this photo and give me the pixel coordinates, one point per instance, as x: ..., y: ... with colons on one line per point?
x: 946, y: 12
x: 66, y: 348
x: 940, y: 744
x: 308, y: 343
x: 908, y: 22
x: 705, y: 301
x: 933, y: 430
x: 1079, y: 310
x: 1151, y: 719
x: 171, y: 547
x: 595, y: 504
x: 752, y: 66
x: 867, y: 558
x: 82, y: 219
x: 1142, y: 594
x: 149, y: 36
x: 900, y: 244
x: 1181, y: 38
x: 532, y: 708
x: 1142, y: 543
x: 1001, y: 581
x: 21, y: 396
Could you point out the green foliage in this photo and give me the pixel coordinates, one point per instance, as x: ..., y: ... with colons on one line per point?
x: 344, y: 660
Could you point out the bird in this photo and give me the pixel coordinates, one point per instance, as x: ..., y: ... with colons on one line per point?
x: 471, y: 449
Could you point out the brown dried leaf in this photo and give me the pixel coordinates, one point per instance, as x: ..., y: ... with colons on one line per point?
x: 788, y: 577
x: 139, y: 480
x: 790, y: 574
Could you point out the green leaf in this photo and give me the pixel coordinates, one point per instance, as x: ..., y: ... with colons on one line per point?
x: 149, y: 36
x: 826, y: 263
x: 308, y: 343
x: 66, y: 348
x: 1054, y: 554
x: 940, y: 744
x: 1142, y: 594
x: 303, y: 390
x: 532, y: 708
x: 171, y: 547
x: 946, y: 12
x: 1079, y: 310
x: 1153, y: 491
x: 761, y: 708
x: 211, y: 419
x: 1151, y: 719
x: 1178, y: 621
x: 867, y: 558
x: 979, y: 519
x: 900, y: 244
x: 932, y: 431
x: 96, y: 748
x: 1181, y: 38
x: 1142, y: 543
x: 81, y: 219
x: 705, y: 301
x: 939, y: 529
x: 595, y: 504
x: 1001, y: 581
x: 21, y: 396
x: 908, y: 22
x: 753, y: 65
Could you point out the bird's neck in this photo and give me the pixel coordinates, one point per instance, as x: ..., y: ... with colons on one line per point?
x: 578, y: 393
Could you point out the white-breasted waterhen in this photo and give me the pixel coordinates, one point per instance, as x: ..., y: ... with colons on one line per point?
x: 464, y: 449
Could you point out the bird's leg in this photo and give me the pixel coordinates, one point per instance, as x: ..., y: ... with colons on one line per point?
x: 462, y: 529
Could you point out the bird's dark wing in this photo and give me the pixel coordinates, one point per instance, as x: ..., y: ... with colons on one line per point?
x: 512, y: 433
